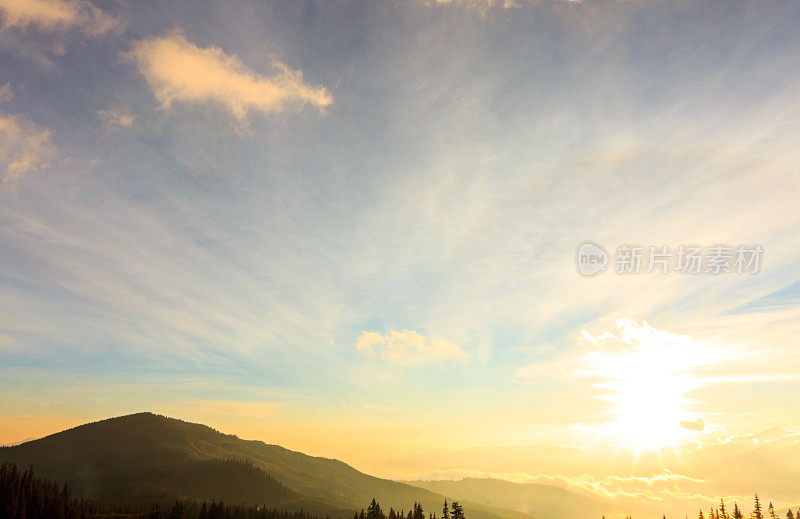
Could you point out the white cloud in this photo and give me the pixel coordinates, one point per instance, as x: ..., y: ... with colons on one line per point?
x: 58, y: 15
x: 179, y: 70
x: 611, y: 354
x: 409, y: 347
x: 115, y: 119
x: 24, y: 147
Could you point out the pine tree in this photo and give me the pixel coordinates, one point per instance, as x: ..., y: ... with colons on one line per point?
x: 446, y: 511
x: 737, y: 514
x: 374, y: 510
x: 757, y: 509
x: 771, y: 511
x: 457, y: 511
x: 789, y: 514
x: 701, y: 515
x: 722, y: 509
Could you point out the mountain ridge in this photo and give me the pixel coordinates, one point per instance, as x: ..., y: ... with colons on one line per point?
x: 150, y: 455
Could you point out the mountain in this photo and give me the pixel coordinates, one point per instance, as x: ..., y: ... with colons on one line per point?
x: 673, y: 481
x: 533, y: 499
x: 147, y: 456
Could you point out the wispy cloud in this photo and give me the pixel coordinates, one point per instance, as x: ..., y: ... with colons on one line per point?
x: 178, y: 70
x: 117, y: 119
x: 24, y: 147
x: 6, y: 93
x: 58, y: 15
x: 409, y: 347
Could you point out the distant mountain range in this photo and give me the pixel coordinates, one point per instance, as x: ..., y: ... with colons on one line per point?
x: 536, y: 500
x: 675, y: 481
x: 150, y: 457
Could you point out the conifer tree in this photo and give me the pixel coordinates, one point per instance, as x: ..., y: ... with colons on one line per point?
x: 757, y: 509
x: 446, y: 511
x: 374, y: 510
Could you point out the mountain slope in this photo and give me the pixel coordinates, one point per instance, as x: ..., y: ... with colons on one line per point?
x: 149, y: 455
x: 539, y: 501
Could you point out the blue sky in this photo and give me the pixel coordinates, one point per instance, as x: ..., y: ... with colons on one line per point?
x: 206, y: 204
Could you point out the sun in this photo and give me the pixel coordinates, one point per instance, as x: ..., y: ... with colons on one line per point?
x: 648, y: 404
x: 645, y: 374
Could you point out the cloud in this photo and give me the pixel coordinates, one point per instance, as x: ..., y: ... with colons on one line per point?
x: 6, y: 94
x: 58, y: 15
x: 116, y: 120
x: 697, y: 425
x: 610, y: 354
x: 179, y: 70
x: 409, y: 347
x: 24, y: 147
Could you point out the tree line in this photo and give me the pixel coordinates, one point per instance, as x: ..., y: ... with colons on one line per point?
x: 25, y: 496
x: 722, y: 511
x: 374, y: 511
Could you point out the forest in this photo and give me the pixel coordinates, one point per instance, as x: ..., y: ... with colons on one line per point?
x: 23, y: 495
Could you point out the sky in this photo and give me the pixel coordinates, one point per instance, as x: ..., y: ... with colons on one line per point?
x: 350, y: 228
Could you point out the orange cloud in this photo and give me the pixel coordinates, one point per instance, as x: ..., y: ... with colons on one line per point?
x: 24, y: 147
x: 54, y: 15
x: 179, y: 70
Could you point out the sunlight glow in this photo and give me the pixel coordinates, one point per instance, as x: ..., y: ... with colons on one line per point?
x: 647, y: 373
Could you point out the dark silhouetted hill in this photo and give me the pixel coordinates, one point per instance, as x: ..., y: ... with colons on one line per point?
x: 147, y: 456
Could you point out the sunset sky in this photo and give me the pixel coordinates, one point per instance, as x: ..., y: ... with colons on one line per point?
x: 349, y: 228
